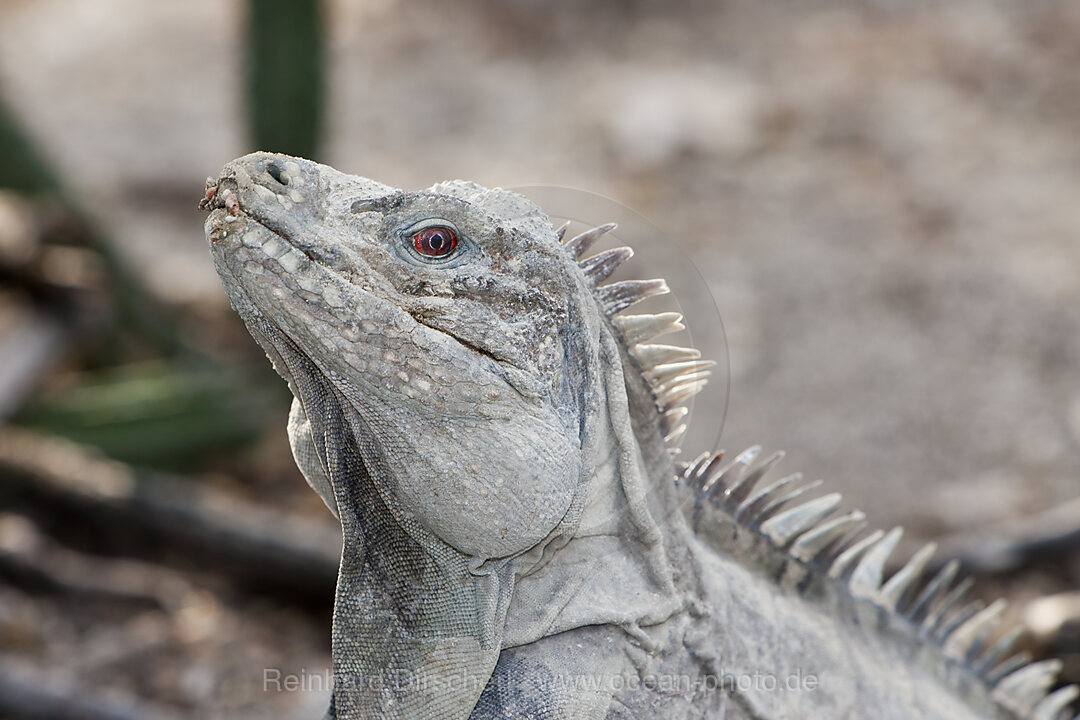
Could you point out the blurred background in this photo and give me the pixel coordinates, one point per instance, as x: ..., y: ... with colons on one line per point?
x: 882, y: 197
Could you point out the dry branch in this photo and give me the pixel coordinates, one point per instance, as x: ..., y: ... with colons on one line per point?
x: 107, y: 507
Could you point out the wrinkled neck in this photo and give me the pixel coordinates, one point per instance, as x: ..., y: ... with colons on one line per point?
x: 629, y: 534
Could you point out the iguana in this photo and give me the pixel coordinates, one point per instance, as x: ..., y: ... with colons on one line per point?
x: 493, y: 432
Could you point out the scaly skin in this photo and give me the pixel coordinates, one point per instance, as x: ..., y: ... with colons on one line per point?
x: 488, y: 429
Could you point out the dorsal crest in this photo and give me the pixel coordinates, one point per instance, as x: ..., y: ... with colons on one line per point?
x: 673, y: 373
x: 813, y: 542
x: 817, y: 538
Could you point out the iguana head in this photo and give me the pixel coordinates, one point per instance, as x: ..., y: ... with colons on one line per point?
x: 461, y: 392
x: 447, y: 318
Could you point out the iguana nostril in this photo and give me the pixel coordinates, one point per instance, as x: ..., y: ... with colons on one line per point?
x: 277, y: 173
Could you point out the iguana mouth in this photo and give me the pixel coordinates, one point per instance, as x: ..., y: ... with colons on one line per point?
x: 213, y: 199
x: 223, y: 205
x: 222, y: 200
x: 220, y: 196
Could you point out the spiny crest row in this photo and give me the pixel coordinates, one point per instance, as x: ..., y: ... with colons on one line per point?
x: 674, y: 374
x: 935, y: 607
x: 812, y: 532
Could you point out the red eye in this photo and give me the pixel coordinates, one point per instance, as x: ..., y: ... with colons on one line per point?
x: 435, y: 241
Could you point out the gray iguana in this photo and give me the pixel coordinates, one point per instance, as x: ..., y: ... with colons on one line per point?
x: 492, y: 430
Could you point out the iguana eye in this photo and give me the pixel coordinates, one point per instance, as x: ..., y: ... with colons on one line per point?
x: 436, y: 241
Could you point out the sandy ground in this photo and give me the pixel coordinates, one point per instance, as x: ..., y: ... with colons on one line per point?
x: 881, y: 197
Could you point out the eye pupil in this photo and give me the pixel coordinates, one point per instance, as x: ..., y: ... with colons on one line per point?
x: 435, y: 241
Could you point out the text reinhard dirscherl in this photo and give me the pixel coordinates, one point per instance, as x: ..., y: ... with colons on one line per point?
x: 276, y: 680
